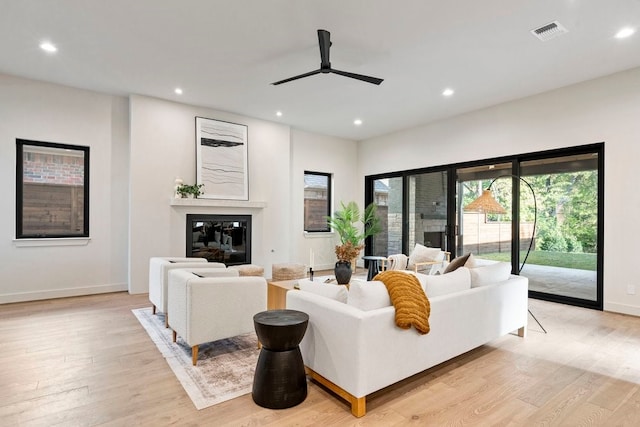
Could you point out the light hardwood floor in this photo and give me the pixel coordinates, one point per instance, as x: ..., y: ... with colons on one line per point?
x: 87, y: 361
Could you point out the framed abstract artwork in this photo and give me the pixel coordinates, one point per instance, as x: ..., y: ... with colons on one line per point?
x: 221, y: 159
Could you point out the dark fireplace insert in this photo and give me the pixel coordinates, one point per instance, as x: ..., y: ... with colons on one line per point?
x: 219, y: 238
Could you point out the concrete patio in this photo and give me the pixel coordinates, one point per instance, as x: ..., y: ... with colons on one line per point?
x: 561, y: 281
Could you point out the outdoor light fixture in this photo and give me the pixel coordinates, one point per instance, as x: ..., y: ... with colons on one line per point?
x: 488, y: 204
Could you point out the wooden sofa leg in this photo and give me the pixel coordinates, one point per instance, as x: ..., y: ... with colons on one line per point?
x: 153, y: 308
x: 175, y: 336
x: 522, y: 332
x: 166, y: 320
x: 359, y: 406
x: 194, y: 354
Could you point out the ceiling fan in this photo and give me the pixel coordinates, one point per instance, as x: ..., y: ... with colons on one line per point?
x: 324, y: 39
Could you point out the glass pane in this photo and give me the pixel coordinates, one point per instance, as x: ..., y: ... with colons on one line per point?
x: 428, y: 210
x: 316, y: 201
x: 485, y: 235
x: 388, y: 198
x: 219, y: 238
x: 563, y: 258
x: 52, y: 191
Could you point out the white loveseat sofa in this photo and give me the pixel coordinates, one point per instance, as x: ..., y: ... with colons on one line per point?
x: 356, y: 351
x: 204, y: 309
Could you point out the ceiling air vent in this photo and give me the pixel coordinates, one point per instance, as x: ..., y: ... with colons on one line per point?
x: 549, y: 31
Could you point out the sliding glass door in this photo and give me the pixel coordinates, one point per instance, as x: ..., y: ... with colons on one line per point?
x: 484, y: 234
x: 412, y: 209
x: 548, y: 223
x: 387, y: 195
x: 564, y: 260
x: 427, y: 203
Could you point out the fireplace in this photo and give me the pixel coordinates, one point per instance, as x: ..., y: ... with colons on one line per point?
x: 219, y: 238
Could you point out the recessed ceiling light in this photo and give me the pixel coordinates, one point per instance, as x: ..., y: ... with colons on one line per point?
x: 625, y: 32
x: 279, y: 113
x: 447, y: 92
x: 48, y: 47
x: 357, y: 122
x: 178, y: 91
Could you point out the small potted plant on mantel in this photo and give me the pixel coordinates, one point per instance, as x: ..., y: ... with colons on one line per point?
x: 345, y: 223
x: 186, y: 190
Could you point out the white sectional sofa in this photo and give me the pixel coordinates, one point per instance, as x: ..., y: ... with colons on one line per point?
x: 355, y: 348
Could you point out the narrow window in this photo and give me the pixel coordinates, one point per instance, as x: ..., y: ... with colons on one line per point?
x: 52, y: 190
x: 317, y: 201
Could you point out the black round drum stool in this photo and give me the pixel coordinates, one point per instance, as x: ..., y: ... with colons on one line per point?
x: 280, y: 381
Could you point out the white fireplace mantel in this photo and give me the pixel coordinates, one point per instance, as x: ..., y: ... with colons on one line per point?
x: 217, y: 203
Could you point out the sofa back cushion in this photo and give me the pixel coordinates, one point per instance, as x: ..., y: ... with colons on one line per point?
x: 456, y: 281
x: 327, y: 290
x: 368, y: 295
x: 490, y: 274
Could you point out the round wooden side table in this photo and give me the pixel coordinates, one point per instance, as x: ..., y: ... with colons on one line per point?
x: 280, y: 381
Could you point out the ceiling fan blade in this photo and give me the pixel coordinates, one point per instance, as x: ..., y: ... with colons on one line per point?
x: 324, y: 40
x: 310, y: 73
x: 368, y: 79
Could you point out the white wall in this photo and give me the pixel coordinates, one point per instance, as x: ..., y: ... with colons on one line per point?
x: 319, y: 153
x: 131, y: 218
x: 163, y: 147
x: 45, y: 112
x: 606, y: 109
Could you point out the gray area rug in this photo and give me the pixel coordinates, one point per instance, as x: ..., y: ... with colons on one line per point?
x: 225, y: 368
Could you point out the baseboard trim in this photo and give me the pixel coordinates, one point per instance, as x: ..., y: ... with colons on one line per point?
x: 622, y: 308
x: 61, y: 293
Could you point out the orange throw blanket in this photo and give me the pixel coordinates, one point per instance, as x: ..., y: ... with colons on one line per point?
x: 408, y: 297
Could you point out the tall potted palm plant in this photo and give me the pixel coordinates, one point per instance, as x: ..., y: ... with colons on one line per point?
x: 352, y: 227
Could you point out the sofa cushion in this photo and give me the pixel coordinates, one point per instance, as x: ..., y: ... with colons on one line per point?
x: 490, y: 274
x: 456, y: 281
x: 327, y: 290
x: 422, y: 253
x: 475, y: 261
x: 368, y: 295
x: 456, y: 263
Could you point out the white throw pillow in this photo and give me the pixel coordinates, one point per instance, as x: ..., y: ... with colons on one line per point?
x: 327, y: 290
x: 490, y: 274
x: 422, y: 253
x: 368, y: 295
x: 456, y: 281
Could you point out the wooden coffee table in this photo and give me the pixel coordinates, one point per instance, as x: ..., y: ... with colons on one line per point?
x: 277, y: 293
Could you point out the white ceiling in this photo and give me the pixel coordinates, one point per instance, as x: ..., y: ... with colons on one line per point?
x: 225, y: 54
